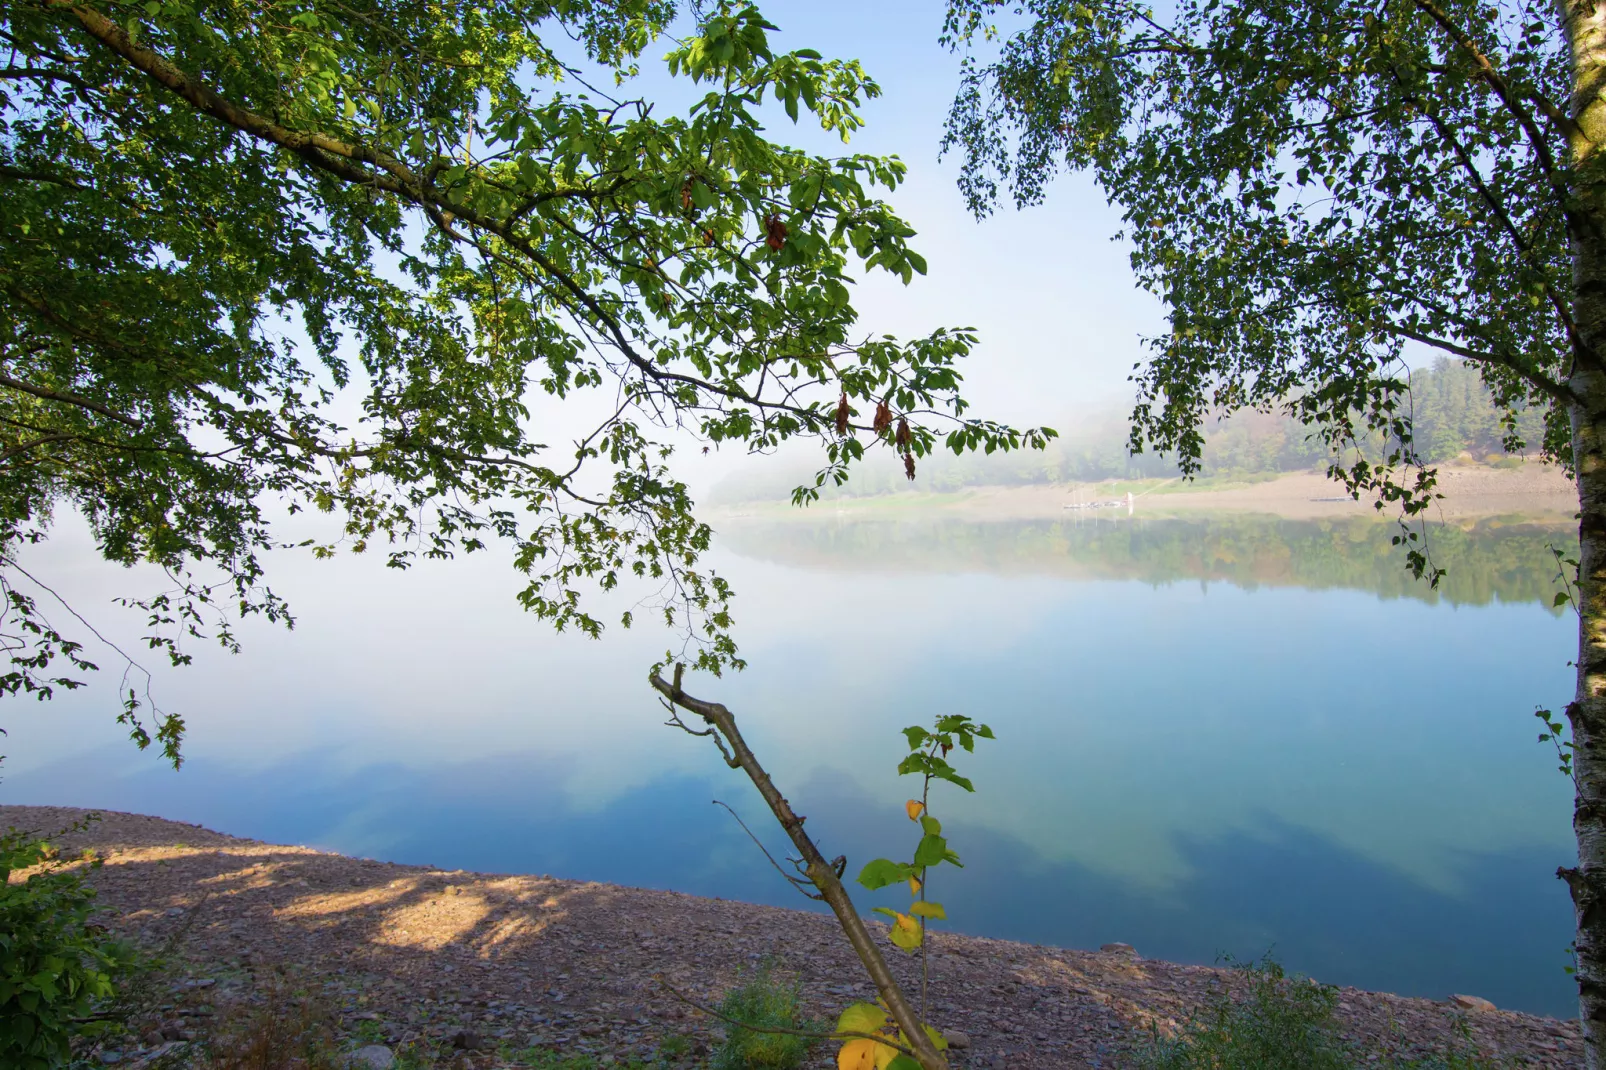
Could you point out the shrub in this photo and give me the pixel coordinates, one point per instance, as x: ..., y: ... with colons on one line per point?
x: 54, y: 965
x: 286, y: 1030
x: 1285, y: 1023
x: 1282, y: 1023
x: 764, y: 1001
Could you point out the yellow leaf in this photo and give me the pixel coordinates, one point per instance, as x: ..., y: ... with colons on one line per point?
x: 884, y: 1054
x: 905, y: 932
x: 861, y: 1018
x: 938, y: 1041
x: 914, y: 885
x: 914, y: 808
x: 857, y: 1055
x: 928, y: 910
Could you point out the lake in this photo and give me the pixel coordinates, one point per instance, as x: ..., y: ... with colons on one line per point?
x: 1219, y: 735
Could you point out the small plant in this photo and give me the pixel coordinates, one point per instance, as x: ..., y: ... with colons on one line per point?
x: 288, y: 1030
x: 927, y: 757
x: 673, y: 1047
x: 55, y: 966
x: 1284, y: 1023
x: 768, y: 1004
x: 889, y: 1034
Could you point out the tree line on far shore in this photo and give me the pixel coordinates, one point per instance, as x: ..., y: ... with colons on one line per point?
x: 1452, y: 413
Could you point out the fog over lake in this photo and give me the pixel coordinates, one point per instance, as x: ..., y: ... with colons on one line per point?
x: 1224, y: 734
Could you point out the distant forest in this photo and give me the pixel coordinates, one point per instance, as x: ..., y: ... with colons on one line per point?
x: 1453, y: 416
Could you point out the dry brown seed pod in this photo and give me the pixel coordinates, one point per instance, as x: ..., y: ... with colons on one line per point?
x: 775, y: 232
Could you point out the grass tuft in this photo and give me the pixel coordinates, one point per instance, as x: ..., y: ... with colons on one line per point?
x: 764, y: 1001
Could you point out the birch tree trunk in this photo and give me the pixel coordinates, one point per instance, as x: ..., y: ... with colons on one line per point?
x: 1587, y: 714
x: 1585, y: 25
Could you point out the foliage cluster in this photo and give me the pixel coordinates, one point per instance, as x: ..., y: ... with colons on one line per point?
x: 225, y: 228
x: 56, y: 966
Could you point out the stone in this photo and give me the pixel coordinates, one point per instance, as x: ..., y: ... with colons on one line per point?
x: 467, y: 1040
x: 1472, y: 1003
x: 371, y: 1057
x: 957, y: 1040
x: 1119, y: 948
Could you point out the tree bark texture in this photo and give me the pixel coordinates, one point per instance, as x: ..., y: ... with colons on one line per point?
x: 1585, y: 25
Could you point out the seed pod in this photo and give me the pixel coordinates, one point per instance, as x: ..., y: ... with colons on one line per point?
x: 903, y: 434
x: 708, y: 236
x: 842, y: 413
x: 775, y: 232
x: 883, y: 416
x: 909, y: 466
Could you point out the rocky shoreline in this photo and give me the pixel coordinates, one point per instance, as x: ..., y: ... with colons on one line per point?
x: 466, y: 963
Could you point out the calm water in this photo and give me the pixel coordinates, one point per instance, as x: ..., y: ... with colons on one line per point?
x: 1215, y: 737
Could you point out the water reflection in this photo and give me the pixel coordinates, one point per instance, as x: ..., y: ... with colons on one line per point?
x: 1275, y: 755
x: 1341, y: 916
x: 1489, y: 560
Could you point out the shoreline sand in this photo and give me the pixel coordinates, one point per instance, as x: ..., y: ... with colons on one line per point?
x: 421, y: 955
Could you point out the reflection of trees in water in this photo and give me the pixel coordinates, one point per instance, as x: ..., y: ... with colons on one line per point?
x: 1487, y: 561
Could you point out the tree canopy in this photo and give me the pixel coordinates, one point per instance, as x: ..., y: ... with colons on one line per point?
x: 1315, y: 190
x: 222, y: 221
x: 1318, y: 190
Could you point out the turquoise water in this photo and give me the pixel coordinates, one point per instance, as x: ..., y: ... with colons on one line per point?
x: 1214, y: 737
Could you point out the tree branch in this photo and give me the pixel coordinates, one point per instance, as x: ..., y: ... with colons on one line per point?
x: 356, y: 164
x: 817, y: 868
x: 1558, y: 391
x: 1502, y: 89
x: 69, y: 399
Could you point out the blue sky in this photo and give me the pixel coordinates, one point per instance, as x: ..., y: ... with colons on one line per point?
x: 1060, y: 318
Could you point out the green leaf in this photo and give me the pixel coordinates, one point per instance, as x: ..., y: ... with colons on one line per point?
x: 861, y: 1018
x: 931, y: 851
x: 883, y: 872
x: 928, y: 909
x: 930, y: 825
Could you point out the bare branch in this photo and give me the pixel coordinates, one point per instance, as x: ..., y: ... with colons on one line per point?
x: 796, y: 882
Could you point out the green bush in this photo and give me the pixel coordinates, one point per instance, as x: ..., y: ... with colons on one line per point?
x: 54, y: 966
x: 768, y: 1003
x: 1284, y: 1023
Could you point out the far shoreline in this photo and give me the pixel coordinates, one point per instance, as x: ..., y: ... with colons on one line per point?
x: 1532, y: 491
